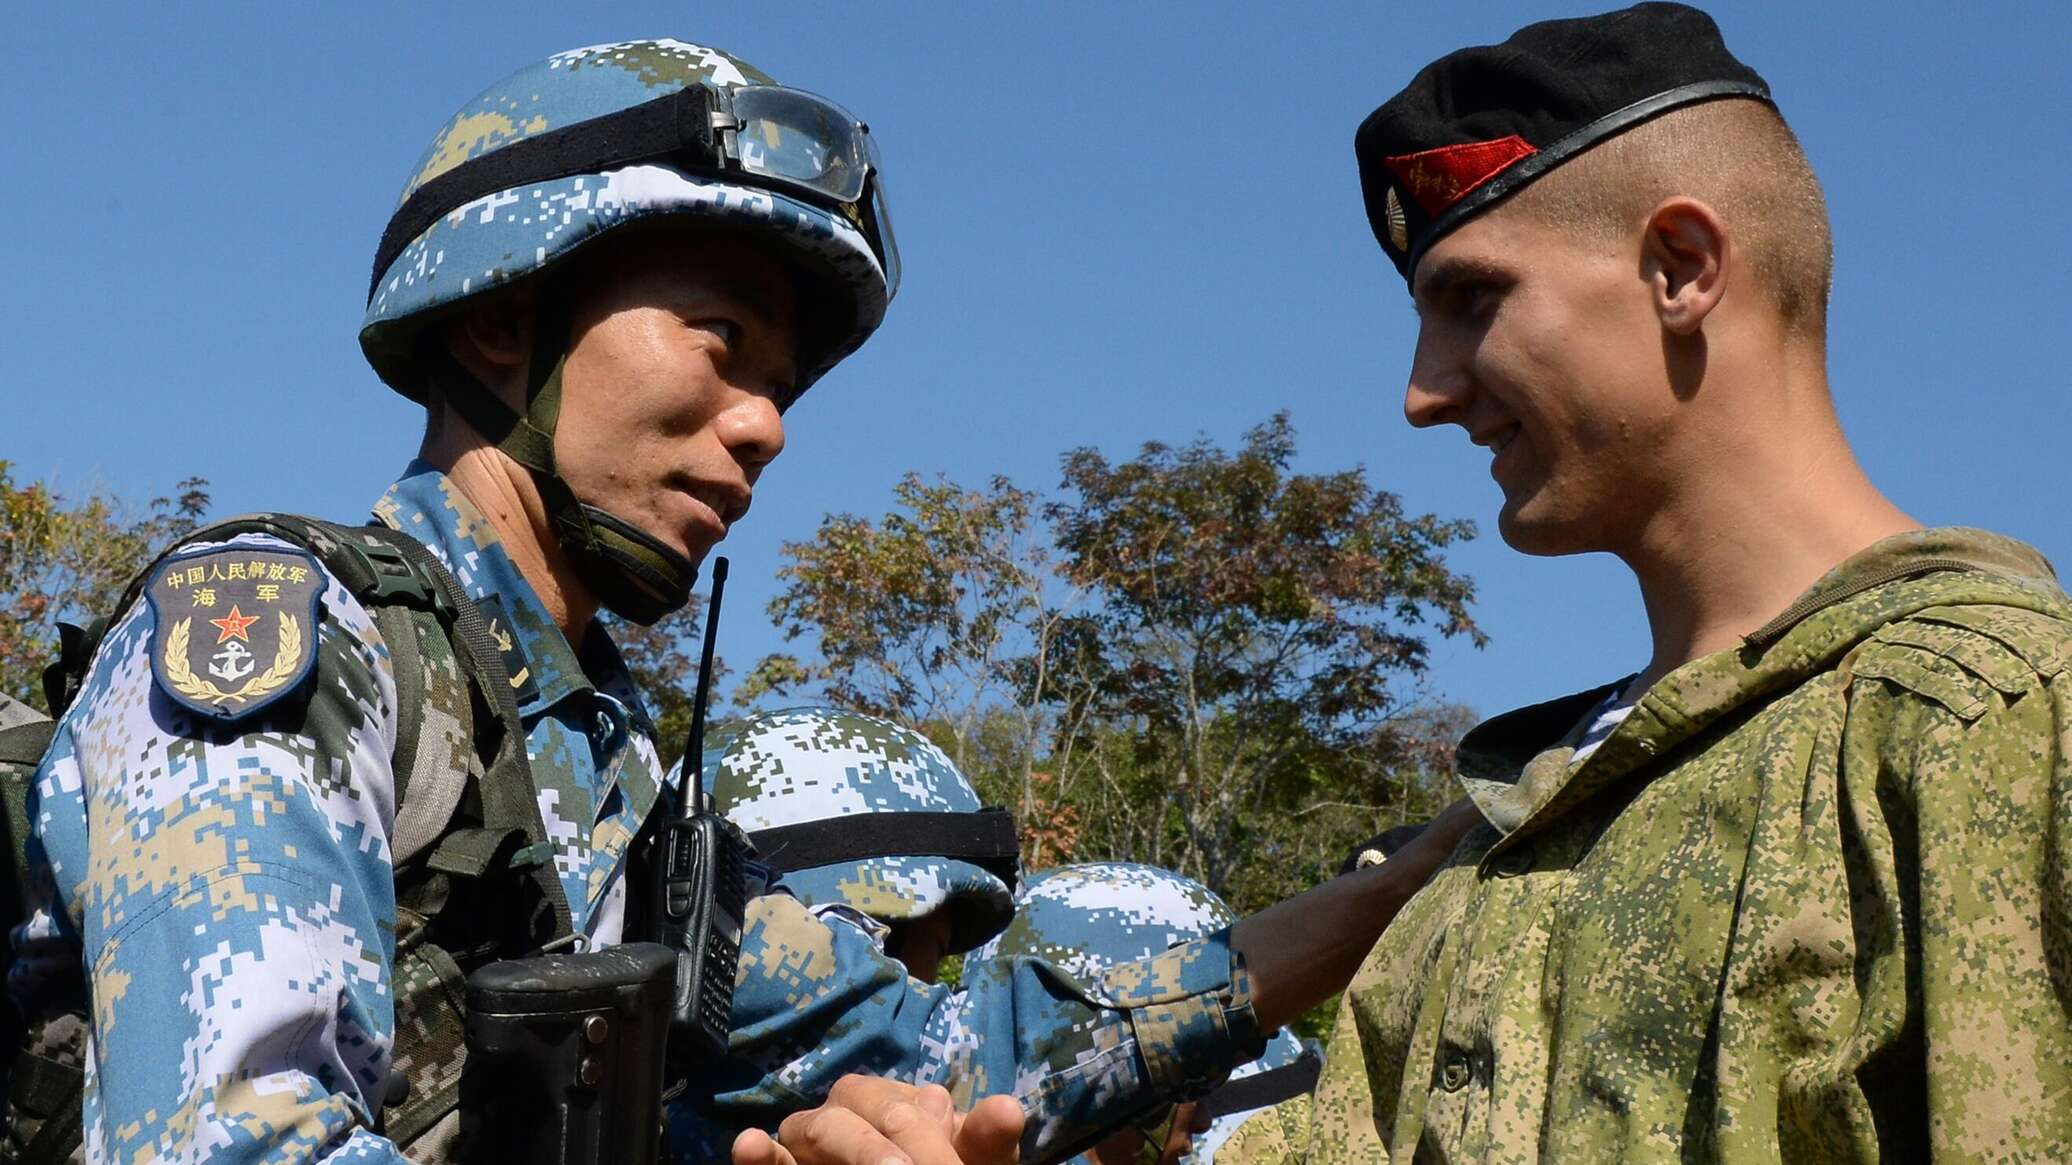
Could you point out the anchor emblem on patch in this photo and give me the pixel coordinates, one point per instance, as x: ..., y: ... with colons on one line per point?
x: 236, y: 626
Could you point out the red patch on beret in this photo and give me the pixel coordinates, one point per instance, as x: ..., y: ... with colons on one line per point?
x: 1439, y: 178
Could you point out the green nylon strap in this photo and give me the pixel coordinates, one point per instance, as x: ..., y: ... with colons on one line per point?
x: 475, y: 853
x: 45, y: 1087
x: 56, y: 1092
x: 24, y: 744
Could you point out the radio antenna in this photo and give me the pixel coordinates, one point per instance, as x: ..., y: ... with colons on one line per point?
x: 691, y: 779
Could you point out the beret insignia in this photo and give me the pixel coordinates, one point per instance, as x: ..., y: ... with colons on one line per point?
x: 1440, y: 177
x: 236, y: 627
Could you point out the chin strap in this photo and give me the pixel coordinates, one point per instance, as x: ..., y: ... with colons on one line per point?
x: 632, y: 573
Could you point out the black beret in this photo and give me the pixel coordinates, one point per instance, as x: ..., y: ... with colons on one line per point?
x: 1481, y: 123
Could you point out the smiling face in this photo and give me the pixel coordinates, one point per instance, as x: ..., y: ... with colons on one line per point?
x: 1548, y: 350
x: 681, y: 346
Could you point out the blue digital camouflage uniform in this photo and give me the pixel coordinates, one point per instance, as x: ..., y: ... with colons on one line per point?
x: 231, y: 886
x: 230, y: 891
x: 795, y: 765
x: 1087, y: 918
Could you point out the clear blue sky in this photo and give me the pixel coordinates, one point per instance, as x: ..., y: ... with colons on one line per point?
x: 1121, y: 222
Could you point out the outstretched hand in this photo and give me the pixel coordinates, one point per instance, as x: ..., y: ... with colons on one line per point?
x: 872, y: 1121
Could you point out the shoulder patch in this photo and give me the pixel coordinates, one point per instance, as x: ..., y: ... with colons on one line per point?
x: 236, y: 626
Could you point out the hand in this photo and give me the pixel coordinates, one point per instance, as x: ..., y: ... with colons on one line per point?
x: 872, y: 1121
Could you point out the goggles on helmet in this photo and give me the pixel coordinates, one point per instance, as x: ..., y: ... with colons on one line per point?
x: 768, y: 136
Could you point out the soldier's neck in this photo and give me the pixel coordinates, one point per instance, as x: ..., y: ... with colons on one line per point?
x: 506, y: 494
x: 1749, y: 532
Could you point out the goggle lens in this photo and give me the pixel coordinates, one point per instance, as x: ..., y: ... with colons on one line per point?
x: 797, y: 137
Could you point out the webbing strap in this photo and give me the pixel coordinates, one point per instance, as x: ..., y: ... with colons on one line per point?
x: 56, y: 1092
x: 24, y: 744
x: 986, y: 838
x: 1264, y: 1089
x: 510, y: 801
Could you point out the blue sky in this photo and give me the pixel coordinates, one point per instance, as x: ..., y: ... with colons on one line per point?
x: 1121, y: 222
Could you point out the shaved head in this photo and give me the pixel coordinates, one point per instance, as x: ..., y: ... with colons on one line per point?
x: 1736, y: 155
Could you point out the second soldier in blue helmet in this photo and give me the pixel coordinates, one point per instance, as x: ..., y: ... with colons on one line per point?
x: 869, y: 821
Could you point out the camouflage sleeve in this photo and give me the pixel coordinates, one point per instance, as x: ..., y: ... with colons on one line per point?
x: 1984, y: 771
x: 229, y: 887
x: 816, y: 1000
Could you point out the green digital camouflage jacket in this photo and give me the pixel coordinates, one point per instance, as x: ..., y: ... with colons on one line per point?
x: 1812, y: 901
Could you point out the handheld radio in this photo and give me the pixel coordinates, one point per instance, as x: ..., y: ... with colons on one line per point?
x: 698, y: 888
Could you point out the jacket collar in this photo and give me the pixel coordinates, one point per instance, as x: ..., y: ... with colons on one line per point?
x: 425, y: 504
x: 1516, y: 766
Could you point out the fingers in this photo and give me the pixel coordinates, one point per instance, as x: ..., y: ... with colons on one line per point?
x: 831, y: 1135
x: 754, y: 1147
x: 991, y: 1133
x: 869, y: 1121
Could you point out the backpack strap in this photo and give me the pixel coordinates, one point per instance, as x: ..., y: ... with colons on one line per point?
x: 467, y: 810
x: 510, y: 801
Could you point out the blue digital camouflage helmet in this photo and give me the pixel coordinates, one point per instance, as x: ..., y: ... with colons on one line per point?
x: 1085, y: 918
x: 474, y: 240
x: 860, y: 812
x: 597, y: 140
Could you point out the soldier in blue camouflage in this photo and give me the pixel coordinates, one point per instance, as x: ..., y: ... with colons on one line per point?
x: 854, y: 812
x: 1085, y: 918
x: 608, y: 276
x: 804, y: 783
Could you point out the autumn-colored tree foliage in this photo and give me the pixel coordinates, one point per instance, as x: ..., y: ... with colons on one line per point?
x: 68, y: 561
x: 1256, y: 636
x: 1196, y: 657
x: 662, y: 658
x: 931, y: 615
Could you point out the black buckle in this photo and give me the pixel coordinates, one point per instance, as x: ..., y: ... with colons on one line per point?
x: 391, y: 577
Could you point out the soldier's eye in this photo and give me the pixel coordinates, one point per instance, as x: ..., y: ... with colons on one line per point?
x: 726, y: 331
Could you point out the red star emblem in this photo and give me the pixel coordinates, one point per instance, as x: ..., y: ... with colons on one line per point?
x: 234, y: 625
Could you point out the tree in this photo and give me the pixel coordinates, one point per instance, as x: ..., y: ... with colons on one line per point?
x: 62, y: 561
x: 662, y: 659
x: 940, y: 614
x: 1210, y: 663
x: 1256, y: 638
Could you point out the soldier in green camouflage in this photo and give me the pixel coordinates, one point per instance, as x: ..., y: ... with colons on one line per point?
x: 1797, y: 890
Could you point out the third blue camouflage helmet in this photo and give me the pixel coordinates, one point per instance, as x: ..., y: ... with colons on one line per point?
x: 1085, y: 918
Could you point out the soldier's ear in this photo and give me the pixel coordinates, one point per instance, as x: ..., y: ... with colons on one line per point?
x: 1685, y: 255
x: 493, y: 339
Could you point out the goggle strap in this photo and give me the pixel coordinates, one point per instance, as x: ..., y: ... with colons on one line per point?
x: 677, y: 124
x: 986, y: 838
x: 1268, y: 1088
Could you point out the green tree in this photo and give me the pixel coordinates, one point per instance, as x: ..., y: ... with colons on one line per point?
x: 69, y: 561
x: 663, y: 661
x: 941, y: 614
x: 1256, y: 637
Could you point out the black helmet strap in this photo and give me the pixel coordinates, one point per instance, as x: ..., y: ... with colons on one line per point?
x: 985, y: 838
x: 632, y: 573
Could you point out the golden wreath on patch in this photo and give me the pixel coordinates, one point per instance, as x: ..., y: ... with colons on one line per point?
x: 237, y: 627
